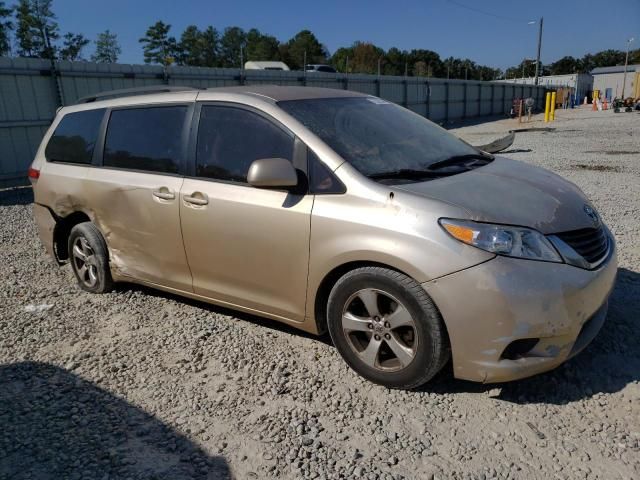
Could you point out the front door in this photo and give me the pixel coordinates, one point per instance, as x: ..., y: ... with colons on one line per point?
x: 135, y: 195
x: 246, y: 246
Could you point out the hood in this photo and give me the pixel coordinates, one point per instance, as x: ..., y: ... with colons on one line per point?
x: 512, y: 193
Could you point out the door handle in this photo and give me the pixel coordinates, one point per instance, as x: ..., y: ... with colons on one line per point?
x: 164, y: 193
x: 197, y: 198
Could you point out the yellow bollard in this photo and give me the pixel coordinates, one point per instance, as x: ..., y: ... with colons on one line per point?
x: 552, y: 113
x: 547, y: 106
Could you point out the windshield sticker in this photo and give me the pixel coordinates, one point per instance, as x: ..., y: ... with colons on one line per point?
x: 378, y: 101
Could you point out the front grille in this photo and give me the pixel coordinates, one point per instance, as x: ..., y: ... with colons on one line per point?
x: 591, y: 243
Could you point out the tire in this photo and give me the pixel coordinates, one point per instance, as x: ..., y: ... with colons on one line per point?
x: 420, y: 344
x: 89, y: 258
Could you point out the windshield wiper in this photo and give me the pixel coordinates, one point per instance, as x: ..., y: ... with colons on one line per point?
x: 461, y: 160
x: 408, y: 173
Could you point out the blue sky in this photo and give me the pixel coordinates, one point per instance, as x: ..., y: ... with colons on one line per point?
x: 571, y: 27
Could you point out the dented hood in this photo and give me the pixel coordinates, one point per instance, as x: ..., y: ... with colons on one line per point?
x: 513, y: 193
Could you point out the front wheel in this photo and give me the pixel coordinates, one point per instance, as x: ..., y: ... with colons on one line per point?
x: 386, y: 327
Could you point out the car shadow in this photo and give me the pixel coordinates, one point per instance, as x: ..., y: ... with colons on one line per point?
x: 54, y: 425
x: 607, y: 365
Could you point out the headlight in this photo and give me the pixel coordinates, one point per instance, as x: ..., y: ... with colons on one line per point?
x: 502, y: 239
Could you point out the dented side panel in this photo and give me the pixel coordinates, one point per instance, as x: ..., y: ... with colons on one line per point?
x: 46, y: 225
x: 142, y: 230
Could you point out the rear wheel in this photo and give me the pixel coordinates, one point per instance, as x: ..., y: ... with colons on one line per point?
x: 89, y: 258
x: 387, y: 328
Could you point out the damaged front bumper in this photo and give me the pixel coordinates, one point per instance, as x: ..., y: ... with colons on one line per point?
x: 511, y: 318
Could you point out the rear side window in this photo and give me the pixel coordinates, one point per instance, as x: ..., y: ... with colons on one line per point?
x: 230, y: 139
x: 147, y: 139
x: 75, y: 137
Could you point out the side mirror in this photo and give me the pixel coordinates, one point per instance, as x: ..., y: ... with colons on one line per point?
x: 272, y: 173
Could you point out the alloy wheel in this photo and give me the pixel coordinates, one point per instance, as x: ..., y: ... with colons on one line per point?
x: 380, y: 329
x: 84, y: 260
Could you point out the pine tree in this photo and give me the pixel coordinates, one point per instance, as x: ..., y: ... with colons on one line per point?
x: 73, y: 45
x: 190, y: 47
x: 159, y: 47
x: 233, y: 40
x: 107, y: 48
x: 210, y: 39
x: 6, y: 25
x: 37, y: 29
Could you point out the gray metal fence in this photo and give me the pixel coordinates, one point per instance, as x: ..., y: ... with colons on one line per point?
x: 30, y: 93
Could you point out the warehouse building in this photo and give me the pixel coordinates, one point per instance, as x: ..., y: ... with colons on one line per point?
x: 582, y: 83
x: 608, y: 81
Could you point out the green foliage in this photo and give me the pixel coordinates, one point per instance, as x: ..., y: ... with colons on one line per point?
x: 339, y: 59
x: 159, y: 47
x: 210, y: 47
x: 6, y: 25
x: 36, y: 29
x: 568, y: 65
x: 72, y: 47
x: 107, y: 48
x: 233, y: 40
x: 261, y: 47
x: 293, y: 52
x: 199, y: 48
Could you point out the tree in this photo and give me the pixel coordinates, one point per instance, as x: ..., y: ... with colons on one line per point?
x: 608, y: 58
x: 304, y: 41
x: 72, y: 47
x: 365, y: 57
x: 428, y: 61
x: 395, y: 62
x: 261, y: 47
x: 107, y: 48
x: 233, y: 40
x: 159, y: 47
x: 36, y: 29
x: 565, y: 65
x: 210, y: 39
x: 340, y: 57
x: 190, y: 47
x: 6, y: 26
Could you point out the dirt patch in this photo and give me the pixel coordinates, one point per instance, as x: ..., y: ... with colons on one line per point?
x: 596, y: 168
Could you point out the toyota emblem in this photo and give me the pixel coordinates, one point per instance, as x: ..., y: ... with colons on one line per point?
x: 592, y: 215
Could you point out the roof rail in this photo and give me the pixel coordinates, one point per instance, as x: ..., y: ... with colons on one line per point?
x: 128, y: 92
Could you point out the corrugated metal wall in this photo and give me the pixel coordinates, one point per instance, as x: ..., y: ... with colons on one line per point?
x: 30, y: 95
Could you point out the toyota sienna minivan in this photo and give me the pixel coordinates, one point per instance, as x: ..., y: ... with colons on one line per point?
x: 329, y: 210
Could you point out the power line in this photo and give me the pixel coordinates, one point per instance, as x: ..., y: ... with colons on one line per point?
x: 473, y: 9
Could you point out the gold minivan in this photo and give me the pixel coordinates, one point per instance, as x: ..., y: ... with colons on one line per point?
x: 329, y: 210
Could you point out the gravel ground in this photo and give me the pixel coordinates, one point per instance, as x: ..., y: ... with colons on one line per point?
x: 139, y: 384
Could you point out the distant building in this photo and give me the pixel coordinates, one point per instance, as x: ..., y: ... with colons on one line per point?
x: 580, y: 82
x: 608, y: 81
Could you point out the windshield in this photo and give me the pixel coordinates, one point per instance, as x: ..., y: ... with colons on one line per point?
x: 376, y: 136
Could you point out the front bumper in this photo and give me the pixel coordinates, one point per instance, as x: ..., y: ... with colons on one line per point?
x: 489, y: 306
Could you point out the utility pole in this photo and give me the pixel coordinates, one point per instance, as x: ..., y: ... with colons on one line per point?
x: 535, y: 82
x: 626, y: 61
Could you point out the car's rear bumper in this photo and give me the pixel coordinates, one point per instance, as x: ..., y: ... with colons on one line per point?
x: 46, y: 225
x: 491, y: 305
